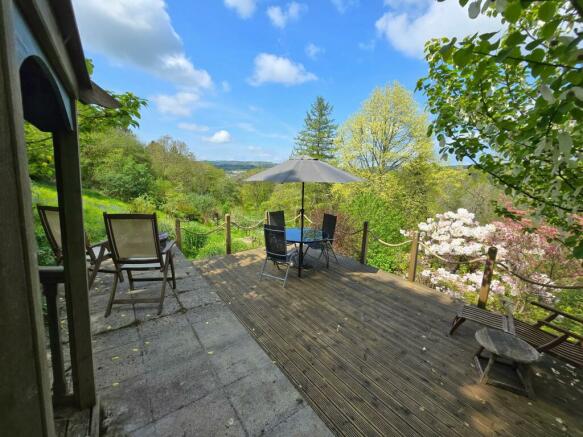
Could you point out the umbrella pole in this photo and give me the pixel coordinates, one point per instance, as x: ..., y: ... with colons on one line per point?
x: 301, y: 257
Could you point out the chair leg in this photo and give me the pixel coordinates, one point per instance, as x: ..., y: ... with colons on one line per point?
x: 163, y: 290
x: 93, y: 275
x: 172, y: 270
x: 131, y: 279
x: 262, y: 269
x: 457, y: 321
x: 286, y: 274
x: 111, y: 296
x: 334, y: 253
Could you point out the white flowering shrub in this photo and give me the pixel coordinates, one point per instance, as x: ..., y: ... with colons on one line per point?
x: 449, y: 240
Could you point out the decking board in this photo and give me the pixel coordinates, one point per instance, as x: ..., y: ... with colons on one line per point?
x: 369, y: 352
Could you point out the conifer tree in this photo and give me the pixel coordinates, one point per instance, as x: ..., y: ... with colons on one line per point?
x: 316, y: 139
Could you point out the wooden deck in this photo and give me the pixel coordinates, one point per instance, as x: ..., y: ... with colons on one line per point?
x: 369, y: 352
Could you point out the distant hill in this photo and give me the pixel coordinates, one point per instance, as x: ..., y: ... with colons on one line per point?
x: 240, y: 166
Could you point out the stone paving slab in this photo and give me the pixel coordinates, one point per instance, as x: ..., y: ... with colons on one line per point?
x: 192, y: 371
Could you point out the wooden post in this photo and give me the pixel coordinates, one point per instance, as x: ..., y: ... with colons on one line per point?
x: 413, y: 257
x: 487, y: 278
x: 228, y: 233
x: 266, y: 218
x: 364, y: 244
x: 24, y: 377
x: 50, y: 278
x: 178, y: 233
x: 68, y: 178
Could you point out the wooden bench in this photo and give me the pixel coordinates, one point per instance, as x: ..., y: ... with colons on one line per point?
x: 561, y: 343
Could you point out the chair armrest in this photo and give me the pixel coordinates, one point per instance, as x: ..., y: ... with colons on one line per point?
x: 558, y: 312
x: 562, y: 330
x: 169, y: 245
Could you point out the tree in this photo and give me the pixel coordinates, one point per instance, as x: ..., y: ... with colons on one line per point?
x: 316, y: 139
x: 511, y: 103
x: 386, y: 133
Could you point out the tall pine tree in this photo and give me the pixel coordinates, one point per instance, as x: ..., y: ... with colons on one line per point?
x: 316, y: 139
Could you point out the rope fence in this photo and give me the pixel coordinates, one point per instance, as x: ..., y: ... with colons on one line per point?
x: 489, y: 260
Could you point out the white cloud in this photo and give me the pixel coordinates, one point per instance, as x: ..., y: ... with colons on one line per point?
x: 312, y: 50
x: 277, y: 69
x: 138, y: 32
x: 226, y: 86
x: 180, y: 104
x: 193, y: 127
x: 280, y: 16
x: 244, y: 8
x: 343, y: 5
x: 219, y: 137
x: 408, y: 29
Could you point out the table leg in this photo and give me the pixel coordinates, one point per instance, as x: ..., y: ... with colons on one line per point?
x: 485, y: 375
x: 525, y: 374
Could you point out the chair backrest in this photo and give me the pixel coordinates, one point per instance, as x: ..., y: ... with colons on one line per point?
x: 329, y: 226
x: 51, y: 223
x: 133, y: 238
x: 275, y: 246
x: 276, y: 218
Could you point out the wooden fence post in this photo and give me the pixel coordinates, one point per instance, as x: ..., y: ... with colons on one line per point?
x: 178, y: 233
x: 487, y: 278
x: 228, y: 233
x: 364, y: 244
x: 413, y: 257
x: 266, y: 218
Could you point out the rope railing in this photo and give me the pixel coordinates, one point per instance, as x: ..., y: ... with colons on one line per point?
x: 384, y: 243
x: 539, y: 284
x: 248, y: 228
x: 203, y: 234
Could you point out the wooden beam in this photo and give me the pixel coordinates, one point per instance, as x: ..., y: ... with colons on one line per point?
x: 68, y: 175
x: 25, y: 399
x: 39, y: 17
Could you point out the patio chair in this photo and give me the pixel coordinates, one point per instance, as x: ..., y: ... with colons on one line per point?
x: 276, y: 218
x: 276, y: 251
x: 325, y: 247
x: 135, y: 247
x: 544, y: 335
x: 98, y: 256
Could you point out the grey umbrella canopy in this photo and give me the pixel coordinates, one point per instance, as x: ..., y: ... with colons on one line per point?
x: 303, y: 169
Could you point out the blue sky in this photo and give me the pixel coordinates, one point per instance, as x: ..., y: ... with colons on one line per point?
x: 234, y: 78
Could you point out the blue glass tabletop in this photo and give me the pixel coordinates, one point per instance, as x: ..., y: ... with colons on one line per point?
x: 293, y: 235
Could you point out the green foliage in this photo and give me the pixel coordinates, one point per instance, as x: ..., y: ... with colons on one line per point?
x: 387, y: 132
x: 316, y: 139
x: 254, y: 195
x: 91, y: 120
x: 512, y: 103
x: 94, y: 204
x: 123, y: 177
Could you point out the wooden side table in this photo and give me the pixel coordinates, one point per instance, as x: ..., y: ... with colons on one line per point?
x: 507, y: 353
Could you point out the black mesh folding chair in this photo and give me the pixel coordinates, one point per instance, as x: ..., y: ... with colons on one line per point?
x: 276, y: 218
x: 276, y: 251
x: 98, y: 256
x: 325, y: 246
x: 135, y: 247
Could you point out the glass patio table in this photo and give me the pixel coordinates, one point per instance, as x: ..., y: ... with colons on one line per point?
x: 293, y: 235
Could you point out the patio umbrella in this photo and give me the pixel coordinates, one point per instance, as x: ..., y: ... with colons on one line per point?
x: 303, y: 169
